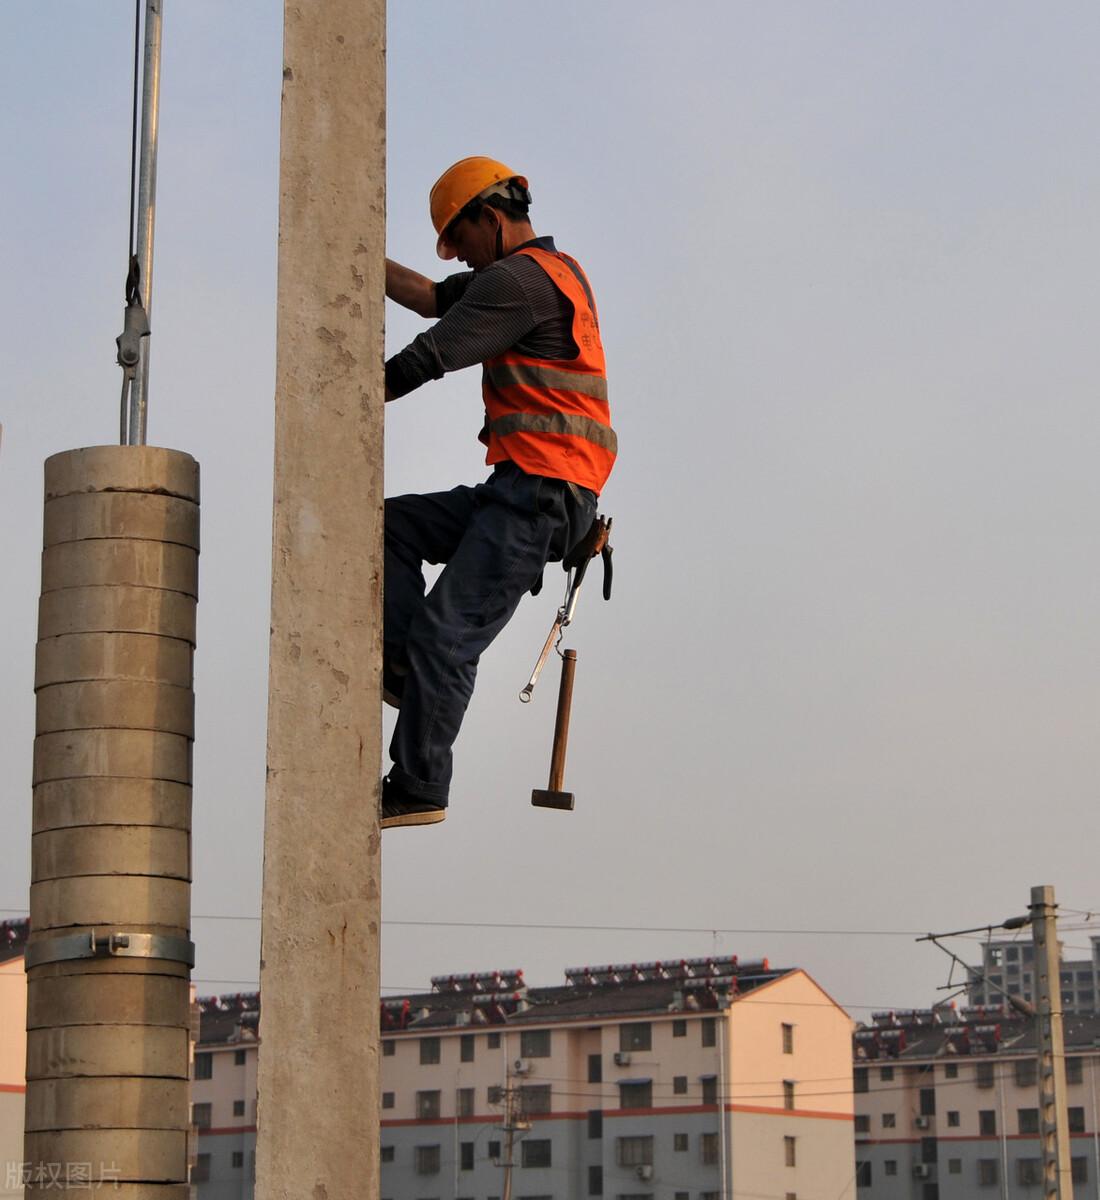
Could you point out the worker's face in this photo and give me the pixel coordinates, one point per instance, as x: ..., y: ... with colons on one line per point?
x: 475, y: 239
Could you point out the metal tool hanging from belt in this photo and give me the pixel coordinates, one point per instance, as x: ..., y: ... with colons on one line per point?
x: 594, y: 542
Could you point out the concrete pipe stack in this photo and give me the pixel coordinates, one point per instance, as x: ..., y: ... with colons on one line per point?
x: 109, y: 956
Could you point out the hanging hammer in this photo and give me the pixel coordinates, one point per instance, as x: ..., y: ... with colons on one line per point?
x: 553, y: 796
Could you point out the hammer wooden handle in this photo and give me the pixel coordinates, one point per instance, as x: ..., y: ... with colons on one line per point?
x: 561, y: 723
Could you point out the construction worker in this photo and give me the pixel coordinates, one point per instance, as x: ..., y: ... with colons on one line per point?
x: 525, y: 311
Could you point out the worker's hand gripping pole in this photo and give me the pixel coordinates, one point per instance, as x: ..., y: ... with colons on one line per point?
x: 553, y: 796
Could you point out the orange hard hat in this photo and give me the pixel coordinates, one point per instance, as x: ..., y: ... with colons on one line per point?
x: 465, y: 181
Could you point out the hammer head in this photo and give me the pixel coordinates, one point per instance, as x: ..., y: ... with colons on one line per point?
x: 545, y: 799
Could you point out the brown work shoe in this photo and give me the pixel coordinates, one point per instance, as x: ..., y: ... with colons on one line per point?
x: 400, y: 808
x: 411, y: 812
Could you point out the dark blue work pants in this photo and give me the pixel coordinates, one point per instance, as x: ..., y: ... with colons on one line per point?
x: 495, y: 539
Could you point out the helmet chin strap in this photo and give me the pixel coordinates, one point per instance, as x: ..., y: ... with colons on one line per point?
x: 500, y: 241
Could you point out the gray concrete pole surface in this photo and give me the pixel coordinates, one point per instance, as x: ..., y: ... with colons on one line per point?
x: 1053, y: 1118
x: 108, y: 1054
x: 319, y: 1018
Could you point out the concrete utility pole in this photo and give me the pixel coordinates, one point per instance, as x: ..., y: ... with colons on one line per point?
x: 1053, y: 1120
x: 319, y: 1025
x: 108, y: 1055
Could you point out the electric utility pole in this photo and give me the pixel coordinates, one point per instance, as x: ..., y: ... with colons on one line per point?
x: 319, y: 1022
x: 1053, y: 1120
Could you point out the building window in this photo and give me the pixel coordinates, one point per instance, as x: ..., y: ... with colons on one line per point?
x: 1028, y: 1120
x: 886, y: 1074
x: 789, y: 1157
x: 429, y: 1051
x: 636, y: 1095
x: 237, y: 1161
x: 535, y: 1152
x: 1026, y: 1073
x: 890, y: 1166
x: 788, y: 1038
x: 204, y: 1066
x: 635, y: 1151
x: 859, y: 1079
x: 928, y: 1102
x: 1029, y: 1171
x: 238, y: 1058
x: 464, y: 1102
x: 1074, y: 1069
x: 951, y: 1071
x: 466, y: 1156
x: 1079, y: 1170
x: 494, y: 1093
x: 863, y: 1172
x: 954, y: 1166
x: 200, y: 1172
x: 535, y: 1043
x: 238, y: 1108
x: 387, y: 1099
x: 595, y: 1123
x: 1076, y: 1119
x: 679, y: 1142
x: 953, y: 1118
x: 929, y: 1150
x: 493, y: 1149
x: 788, y: 1093
x: 679, y: 1028
x: 494, y: 1041
x: 427, y: 1160
x: 595, y: 1069
x: 388, y: 1049
x: 466, y: 1048
x: 595, y: 1180
x: 201, y: 1115
x: 987, y: 1122
x: 888, y: 1120
x: 984, y: 1075
x: 386, y: 1154
x: 637, y: 1036
x: 708, y: 1148
x: 710, y: 1089
x: 708, y: 1030
x: 534, y: 1099
x: 427, y: 1106
x: 863, y: 1123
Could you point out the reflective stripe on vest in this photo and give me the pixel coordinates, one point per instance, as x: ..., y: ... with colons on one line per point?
x: 559, y: 422
x: 551, y: 416
x: 527, y: 374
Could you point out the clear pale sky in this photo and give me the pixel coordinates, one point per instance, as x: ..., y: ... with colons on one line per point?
x: 847, y: 257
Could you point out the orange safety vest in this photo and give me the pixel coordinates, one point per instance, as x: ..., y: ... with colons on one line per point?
x: 551, y: 416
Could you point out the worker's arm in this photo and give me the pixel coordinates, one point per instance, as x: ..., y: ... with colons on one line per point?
x: 482, y: 316
x: 410, y: 289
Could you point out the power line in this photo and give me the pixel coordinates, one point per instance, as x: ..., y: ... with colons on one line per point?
x: 691, y: 929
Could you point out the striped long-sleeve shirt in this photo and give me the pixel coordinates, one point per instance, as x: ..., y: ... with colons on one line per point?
x: 511, y: 304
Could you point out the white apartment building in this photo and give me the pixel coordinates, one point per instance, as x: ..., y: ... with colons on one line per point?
x: 1008, y: 965
x: 702, y: 1079
x: 947, y: 1105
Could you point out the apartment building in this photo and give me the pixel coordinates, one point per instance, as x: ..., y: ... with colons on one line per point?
x: 947, y: 1105
x: 13, y: 1054
x: 695, y: 1080
x: 1008, y: 965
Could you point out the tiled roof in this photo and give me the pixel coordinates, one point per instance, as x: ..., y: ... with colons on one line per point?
x: 587, y: 996
x: 13, y: 938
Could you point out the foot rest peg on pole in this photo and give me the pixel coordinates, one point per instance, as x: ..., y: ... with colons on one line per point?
x: 553, y: 796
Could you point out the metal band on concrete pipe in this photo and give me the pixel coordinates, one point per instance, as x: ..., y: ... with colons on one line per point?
x: 108, y: 1014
